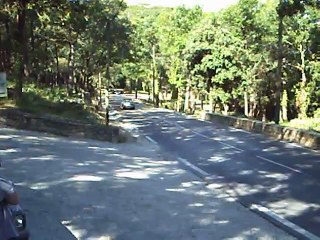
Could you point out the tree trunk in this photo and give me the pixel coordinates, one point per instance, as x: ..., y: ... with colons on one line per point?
x: 23, y: 47
x: 46, y: 64
x: 202, y: 101
x: 100, y: 89
x: 136, y: 89
x: 9, y: 46
x: 155, y: 93
x: 212, y: 107
x: 153, y: 75
x: 108, y: 78
x: 179, y: 101
x: 71, y: 67
x: 187, y: 95
x: 193, y: 103
x: 174, y: 94
x: 57, y: 65
x: 32, y: 38
x: 149, y: 91
x: 4, y: 50
x: 284, y: 106
x: 253, y: 105
x: 278, y: 83
x: 225, y: 109
x: 302, y: 95
x: 246, y: 104
x: 87, y: 71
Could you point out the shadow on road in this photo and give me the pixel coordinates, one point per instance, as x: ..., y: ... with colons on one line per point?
x: 245, y: 164
x: 126, y: 191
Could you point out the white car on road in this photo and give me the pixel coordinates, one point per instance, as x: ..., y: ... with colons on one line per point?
x: 127, y: 104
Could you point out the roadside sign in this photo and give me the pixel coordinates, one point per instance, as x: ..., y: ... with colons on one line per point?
x: 3, y: 85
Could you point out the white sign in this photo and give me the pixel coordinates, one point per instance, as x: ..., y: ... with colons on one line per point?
x: 3, y: 85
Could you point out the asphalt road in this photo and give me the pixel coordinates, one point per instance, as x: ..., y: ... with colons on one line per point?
x: 91, y: 190
x: 283, y: 177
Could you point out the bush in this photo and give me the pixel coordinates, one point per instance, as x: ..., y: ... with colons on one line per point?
x: 312, y: 124
x: 169, y: 104
x: 317, y: 113
x: 53, y: 101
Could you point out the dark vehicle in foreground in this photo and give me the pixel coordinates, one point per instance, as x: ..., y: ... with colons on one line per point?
x: 127, y: 104
x: 12, y: 217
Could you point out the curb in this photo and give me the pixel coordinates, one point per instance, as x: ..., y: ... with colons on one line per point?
x: 282, y: 223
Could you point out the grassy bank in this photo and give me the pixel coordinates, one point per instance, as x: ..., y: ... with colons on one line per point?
x: 50, y: 101
x: 312, y: 124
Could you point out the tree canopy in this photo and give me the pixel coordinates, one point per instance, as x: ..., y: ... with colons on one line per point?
x: 250, y: 59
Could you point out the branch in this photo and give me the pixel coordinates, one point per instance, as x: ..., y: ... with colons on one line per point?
x: 56, y: 41
x: 295, y: 66
x: 289, y: 43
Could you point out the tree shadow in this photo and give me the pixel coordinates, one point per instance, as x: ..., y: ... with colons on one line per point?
x: 125, y: 191
x: 250, y: 167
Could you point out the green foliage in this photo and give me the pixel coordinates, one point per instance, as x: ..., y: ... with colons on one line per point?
x: 52, y: 101
x: 307, y: 123
x: 229, y: 57
x: 67, y: 42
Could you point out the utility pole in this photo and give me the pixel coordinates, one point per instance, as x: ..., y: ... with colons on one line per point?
x: 108, y: 63
x: 107, y: 91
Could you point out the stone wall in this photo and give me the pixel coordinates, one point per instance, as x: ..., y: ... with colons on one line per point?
x: 303, y: 137
x: 55, y: 125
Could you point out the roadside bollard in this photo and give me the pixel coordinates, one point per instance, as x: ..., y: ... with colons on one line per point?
x: 107, y: 117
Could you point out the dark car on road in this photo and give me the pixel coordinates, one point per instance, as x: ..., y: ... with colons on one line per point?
x: 127, y: 104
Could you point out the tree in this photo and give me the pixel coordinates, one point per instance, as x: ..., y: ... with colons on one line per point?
x: 174, y: 27
x: 298, y: 41
x: 285, y: 8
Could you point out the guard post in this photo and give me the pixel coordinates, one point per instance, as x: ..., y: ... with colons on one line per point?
x: 106, y: 96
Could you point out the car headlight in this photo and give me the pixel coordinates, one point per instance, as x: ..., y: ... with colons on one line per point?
x: 20, y: 221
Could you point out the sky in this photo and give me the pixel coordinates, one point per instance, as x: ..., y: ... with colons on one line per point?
x: 207, y: 5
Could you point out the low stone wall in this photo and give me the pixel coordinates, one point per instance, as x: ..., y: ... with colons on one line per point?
x: 303, y: 137
x: 55, y: 125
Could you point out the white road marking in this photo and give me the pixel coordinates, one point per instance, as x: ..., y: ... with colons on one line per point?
x: 293, y: 144
x: 241, y: 150
x: 207, y: 121
x: 279, y: 164
x: 178, y: 125
x: 151, y: 140
x: 254, y: 207
x: 288, y: 224
x: 202, y: 135
x: 223, y: 143
x: 195, y: 168
x: 241, y: 130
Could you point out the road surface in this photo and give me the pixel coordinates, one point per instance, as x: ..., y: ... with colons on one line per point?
x: 283, y: 177
x: 91, y: 190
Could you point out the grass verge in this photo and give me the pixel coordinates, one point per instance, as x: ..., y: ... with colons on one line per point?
x: 50, y: 101
x: 311, y: 124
